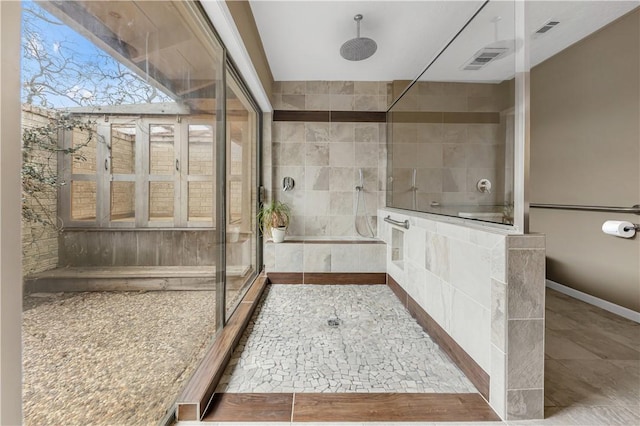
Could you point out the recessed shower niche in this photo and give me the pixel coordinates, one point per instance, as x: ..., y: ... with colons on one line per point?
x: 397, y: 244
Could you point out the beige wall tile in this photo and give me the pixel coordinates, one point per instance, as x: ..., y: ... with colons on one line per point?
x: 497, y: 385
x: 366, y: 88
x: 317, y: 226
x: 342, y: 132
x: 316, y: 132
x: 317, y: 178
x: 429, y: 180
x: 318, y: 102
x: 342, y: 226
x: 342, y: 103
x: 365, y: 103
x: 317, y: 203
x: 366, y: 132
x: 525, y: 404
x: 289, y: 257
x: 318, y: 87
x: 342, y: 179
x: 342, y: 203
x: 526, y: 241
x: 288, y: 131
x: 317, y: 258
x: 317, y: 154
x: 341, y: 154
x: 454, y: 155
x: 293, y: 87
x: 342, y: 87
x: 289, y: 154
x: 526, y: 278
x: 499, y: 314
x: 525, y: 346
x: 344, y: 258
x: 405, y: 155
x: 366, y: 155
x: 454, y: 180
x: 292, y: 102
x: 429, y: 155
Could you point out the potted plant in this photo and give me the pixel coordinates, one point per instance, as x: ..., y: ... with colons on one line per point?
x: 274, y: 218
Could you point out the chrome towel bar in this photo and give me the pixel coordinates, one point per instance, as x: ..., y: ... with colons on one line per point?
x: 634, y: 209
x: 404, y: 224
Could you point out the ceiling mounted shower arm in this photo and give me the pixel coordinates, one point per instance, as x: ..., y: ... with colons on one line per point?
x: 358, y: 48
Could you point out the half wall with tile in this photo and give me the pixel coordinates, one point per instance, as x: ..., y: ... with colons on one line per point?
x: 485, y: 288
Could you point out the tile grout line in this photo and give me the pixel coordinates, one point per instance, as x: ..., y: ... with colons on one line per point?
x: 293, y: 405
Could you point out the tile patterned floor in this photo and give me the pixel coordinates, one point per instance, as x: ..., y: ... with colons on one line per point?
x: 377, y: 346
x: 592, y: 370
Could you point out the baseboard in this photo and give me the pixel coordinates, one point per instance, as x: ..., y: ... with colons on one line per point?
x: 596, y: 301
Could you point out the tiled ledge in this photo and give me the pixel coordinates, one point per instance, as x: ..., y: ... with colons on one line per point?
x: 326, y: 256
x: 301, y: 240
x: 328, y: 278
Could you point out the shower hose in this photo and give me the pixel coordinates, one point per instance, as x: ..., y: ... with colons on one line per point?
x: 359, y: 191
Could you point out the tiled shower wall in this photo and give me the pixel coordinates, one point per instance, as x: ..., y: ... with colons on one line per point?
x: 324, y: 158
x: 485, y: 288
x: 453, y: 135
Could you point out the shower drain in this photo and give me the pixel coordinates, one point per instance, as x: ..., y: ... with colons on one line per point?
x: 333, y: 322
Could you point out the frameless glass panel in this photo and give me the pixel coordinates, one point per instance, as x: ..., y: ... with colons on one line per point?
x: 451, y: 134
x: 123, y: 201
x: 200, y: 201
x: 123, y: 149
x: 241, y: 193
x: 161, y: 201
x: 201, y: 137
x: 83, y: 200
x: 162, y: 155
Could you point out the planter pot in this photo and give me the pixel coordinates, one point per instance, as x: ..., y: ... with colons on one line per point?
x: 278, y: 234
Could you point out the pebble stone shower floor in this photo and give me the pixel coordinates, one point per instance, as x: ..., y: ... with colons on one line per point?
x: 289, y: 345
x: 110, y: 358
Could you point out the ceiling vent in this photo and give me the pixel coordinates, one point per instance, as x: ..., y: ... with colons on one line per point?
x: 484, y: 56
x: 546, y: 27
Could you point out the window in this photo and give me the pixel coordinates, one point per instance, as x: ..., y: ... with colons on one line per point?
x: 136, y: 172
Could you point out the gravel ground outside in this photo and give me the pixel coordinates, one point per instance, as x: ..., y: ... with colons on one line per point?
x: 111, y: 358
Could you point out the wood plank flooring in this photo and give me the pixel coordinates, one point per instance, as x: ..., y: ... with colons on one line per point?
x: 592, y: 365
x: 349, y: 407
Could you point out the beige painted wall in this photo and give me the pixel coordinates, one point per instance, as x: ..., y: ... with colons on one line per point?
x: 10, y: 255
x: 246, y: 24
x: 585, y: 150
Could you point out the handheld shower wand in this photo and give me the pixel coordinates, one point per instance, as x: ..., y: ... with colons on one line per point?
x: 359, y: 190
x: 414, y: 188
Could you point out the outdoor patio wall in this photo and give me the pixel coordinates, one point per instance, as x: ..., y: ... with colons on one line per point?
x: 144, y: 247
x: 39, y: 241
x: 485, y: 288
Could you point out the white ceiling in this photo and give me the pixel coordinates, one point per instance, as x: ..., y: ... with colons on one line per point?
x: 302, y: 38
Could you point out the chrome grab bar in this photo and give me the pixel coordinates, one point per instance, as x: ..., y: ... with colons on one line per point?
x: 404, y: 224
x: 634, y: 209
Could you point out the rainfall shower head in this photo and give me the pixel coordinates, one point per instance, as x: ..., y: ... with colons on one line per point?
x: 358, y: 48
